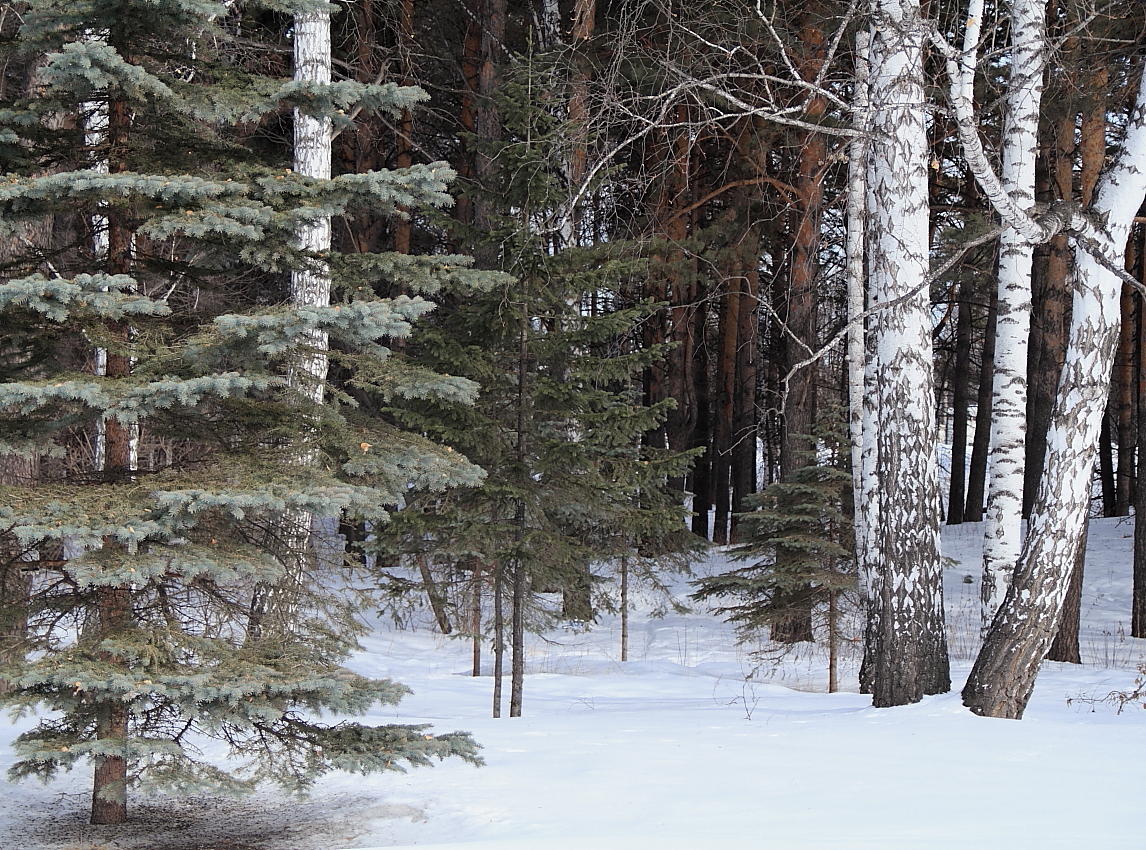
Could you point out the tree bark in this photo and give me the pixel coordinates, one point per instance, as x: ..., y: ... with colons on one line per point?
x: 744, y: 413
x: 960, y: 385
x: 1004, y: 674
x: 980, y: 447
x: 1138, y: 592
x: 1003, y: 531
x: 909, y: 652
x: 1052, y: 316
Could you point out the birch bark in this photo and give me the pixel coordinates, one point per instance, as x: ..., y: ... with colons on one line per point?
x: 1003, y: 532
x: 908, y: 651
x: 1004, y: 673
x: 310, y: 287
x: 859, y: 425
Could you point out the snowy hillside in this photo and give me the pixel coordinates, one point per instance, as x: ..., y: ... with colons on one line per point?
x: 678, y: 749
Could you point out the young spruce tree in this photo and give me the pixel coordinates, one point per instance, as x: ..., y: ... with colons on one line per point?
x: 558, y: 421
x: 155, y: 382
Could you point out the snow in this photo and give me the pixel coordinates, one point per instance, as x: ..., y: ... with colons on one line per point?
x: 695, y: 743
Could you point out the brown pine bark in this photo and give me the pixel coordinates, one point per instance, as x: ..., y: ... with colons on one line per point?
x: 113, y: 604
x: 1050, y: 314
x: 744, y: 414
x: 801, y: 319
x: 404, y: 131
x: 725, y: 401
x: 1138, y: 592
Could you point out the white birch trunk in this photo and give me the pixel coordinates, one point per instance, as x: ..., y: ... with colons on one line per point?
x: 273, y: 605
x: 857, y: 189
x: 1024, y: 627
x: 1003, y: 532
x: 908, y: 655
x: 310, y: 285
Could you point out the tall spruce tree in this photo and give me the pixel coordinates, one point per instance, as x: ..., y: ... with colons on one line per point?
x: 143, y: 567
x: 557, y: 425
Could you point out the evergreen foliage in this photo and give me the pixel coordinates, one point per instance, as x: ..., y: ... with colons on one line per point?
x: 558, y: 421
x: 798, y: 545
x: 143, y: 569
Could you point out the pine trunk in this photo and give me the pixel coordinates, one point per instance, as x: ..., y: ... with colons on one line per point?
x: 977, y: 474
x: 960, y: 391
x: 1138, y: 592
x: 1052, y: 317
x: 744, y: 415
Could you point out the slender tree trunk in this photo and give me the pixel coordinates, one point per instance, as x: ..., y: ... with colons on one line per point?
x: 744, y: 413
x: 833, y: 642
x: 1106, y: 463
x: 272, y: 605
x: 404, y: 131
x: 725, y: 402
x: 980, y: 447
x: 1003, y: 532
x: 434, y: 594
x: 498, y: 635
x: 1124, y: 398
x: 801, y: 335
x: 961, y: 391
x: 624, y: 608
x: 909, y: 655
x: 475, y: 618
x: 1052, y: 313
x: 1004, y: 674
x: 113, y: 606
x: 519, y: 577
x: 1138, y: 593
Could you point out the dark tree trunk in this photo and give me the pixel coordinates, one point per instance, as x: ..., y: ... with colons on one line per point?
x: 961, y: 396
x: 434, y: 594
x: 702, y: 470
x: 1051, y: 311
x: 475, y: 617
x: 725, y: 406
x: 1124, y: 401
x: 498, y: 635
x: 980, y: 449
x: 744, y: 416
x: 1106, y: 464
x: 1138, y: 598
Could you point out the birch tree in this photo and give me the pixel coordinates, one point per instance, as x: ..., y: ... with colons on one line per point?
x: 1016, y: 253
x: 907, y: 645
x: 1020, y: 634
x: 309, y: 287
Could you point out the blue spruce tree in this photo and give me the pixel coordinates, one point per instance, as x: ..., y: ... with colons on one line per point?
x: 153, y: 377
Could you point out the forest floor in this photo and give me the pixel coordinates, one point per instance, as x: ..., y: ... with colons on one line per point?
x: 696, y: 742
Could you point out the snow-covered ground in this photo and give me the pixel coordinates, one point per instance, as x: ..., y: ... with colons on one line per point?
x: 695, y: 743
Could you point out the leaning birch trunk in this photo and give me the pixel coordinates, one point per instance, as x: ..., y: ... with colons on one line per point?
x: 908, y: 655
x: 1004, y: 674
x: 1003, y: 531
x: 310, y: 287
